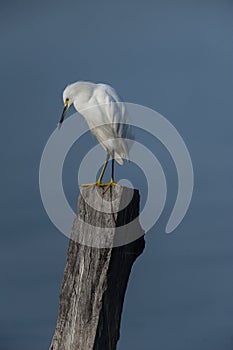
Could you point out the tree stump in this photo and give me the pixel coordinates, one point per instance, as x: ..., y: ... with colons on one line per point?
x: 106, y: 239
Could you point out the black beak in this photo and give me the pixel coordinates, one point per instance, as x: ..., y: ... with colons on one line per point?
x: 63, y: 116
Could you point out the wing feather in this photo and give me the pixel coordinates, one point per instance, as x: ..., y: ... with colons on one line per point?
x: 114, y: 114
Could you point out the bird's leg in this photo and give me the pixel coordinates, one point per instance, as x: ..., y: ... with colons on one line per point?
x: 112, y: 182
x: 99, y: 181
x: 113, y: 169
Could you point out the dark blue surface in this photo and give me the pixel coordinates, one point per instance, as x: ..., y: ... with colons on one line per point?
x: 173, y: 56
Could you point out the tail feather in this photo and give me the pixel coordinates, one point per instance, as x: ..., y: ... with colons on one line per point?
x: 118, y: 159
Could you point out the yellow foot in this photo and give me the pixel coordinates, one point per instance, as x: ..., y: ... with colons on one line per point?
x: 110, y: 184
x: 98, y: 184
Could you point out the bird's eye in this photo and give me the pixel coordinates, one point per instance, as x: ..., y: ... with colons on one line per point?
x: 66, y: 103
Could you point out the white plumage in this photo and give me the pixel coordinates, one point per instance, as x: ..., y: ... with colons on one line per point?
x: 106, y: 115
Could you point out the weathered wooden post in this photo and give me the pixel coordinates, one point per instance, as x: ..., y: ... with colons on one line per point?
x: 98, y: 269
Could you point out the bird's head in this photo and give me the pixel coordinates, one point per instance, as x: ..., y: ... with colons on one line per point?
x: 73, y: 93
x: 68, y: 99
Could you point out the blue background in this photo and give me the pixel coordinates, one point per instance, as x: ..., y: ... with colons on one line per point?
x: 173, y: 56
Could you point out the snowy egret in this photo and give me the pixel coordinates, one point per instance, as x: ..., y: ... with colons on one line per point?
x: 106, y: 116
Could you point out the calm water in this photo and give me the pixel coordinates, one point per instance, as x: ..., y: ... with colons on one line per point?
x: 173, y: 57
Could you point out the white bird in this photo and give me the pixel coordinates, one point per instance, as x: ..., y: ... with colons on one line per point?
x: 106, y: 116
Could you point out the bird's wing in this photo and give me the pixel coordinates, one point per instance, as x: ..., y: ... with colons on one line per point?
x: 115, y: 115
